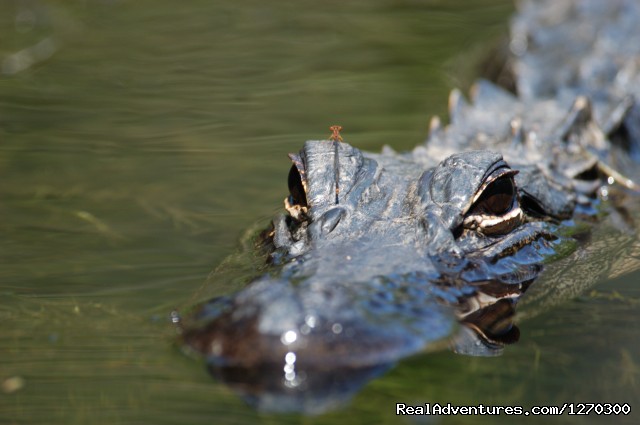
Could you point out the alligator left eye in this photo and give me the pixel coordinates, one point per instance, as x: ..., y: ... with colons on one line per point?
x: 495, y: 210
x: 498, y: 197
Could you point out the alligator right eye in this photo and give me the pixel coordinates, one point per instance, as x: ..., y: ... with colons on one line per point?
x: 495, y: 209
x: 296, y: 202
x: 296, y: 189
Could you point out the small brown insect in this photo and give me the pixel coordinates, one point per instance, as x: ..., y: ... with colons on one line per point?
x: 335, y: 137
x: 335, y: 133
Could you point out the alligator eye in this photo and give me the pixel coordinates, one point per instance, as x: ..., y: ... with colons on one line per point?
x: 495, y: 209
x: 497, y: 198
x: 296, y: 202
x: 296, y: 189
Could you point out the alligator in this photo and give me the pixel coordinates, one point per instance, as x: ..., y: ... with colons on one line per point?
x: 379, y: 256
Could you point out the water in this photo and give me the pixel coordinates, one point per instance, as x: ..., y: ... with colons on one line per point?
x: 140, y: 140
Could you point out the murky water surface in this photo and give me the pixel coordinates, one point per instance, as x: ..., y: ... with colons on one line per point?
x: 140, y: 140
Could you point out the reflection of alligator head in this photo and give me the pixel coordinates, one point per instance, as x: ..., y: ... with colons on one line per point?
x: 381, y: 256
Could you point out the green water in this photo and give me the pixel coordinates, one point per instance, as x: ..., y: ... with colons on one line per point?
x: 140, y: 139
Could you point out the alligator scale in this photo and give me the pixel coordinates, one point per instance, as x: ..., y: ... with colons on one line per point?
x: 380, y: 256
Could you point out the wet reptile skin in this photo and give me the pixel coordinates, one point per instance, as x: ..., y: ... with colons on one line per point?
x: 434, y: 247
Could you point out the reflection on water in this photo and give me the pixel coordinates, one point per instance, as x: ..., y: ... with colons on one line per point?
x: 135, y: 153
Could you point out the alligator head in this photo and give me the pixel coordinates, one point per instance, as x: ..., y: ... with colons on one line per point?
x: 392, y: 263
x: 380, y: 256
